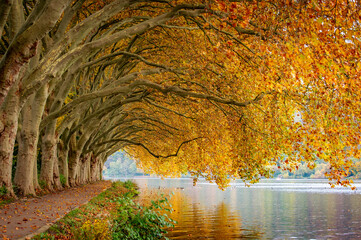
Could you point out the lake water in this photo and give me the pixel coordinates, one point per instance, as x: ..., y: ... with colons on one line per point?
x: 271, y: 209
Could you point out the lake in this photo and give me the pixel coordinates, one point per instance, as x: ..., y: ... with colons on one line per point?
x: 271, y: 209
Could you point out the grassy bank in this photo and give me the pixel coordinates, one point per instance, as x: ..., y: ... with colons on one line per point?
x: 113, y: 215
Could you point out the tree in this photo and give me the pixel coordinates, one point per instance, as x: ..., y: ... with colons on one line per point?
x: 120, y: 165
x: 205, y: 87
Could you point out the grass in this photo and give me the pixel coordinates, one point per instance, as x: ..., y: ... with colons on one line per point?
x: 4, y: 199
x: 113, y: 214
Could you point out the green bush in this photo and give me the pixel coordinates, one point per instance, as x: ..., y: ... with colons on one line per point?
x: 46, y: 236
x: 3, y: 190
x: 90, y: 230
x: 42, y: 184
x: 134, y: 222
x: 132, y: 187
x: 62, y: 180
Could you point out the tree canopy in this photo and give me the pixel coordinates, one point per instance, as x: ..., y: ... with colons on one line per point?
x: 220, y: 89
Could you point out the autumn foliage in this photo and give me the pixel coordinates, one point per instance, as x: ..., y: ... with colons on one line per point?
x: 219, y: 89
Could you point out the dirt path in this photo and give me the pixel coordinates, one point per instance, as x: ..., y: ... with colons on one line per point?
x: 27, y: 216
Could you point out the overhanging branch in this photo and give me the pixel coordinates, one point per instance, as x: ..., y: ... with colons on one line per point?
x: 156, y: 155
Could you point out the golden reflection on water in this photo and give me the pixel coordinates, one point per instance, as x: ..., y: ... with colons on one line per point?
x: 278, y: 210
x: 196, y: 221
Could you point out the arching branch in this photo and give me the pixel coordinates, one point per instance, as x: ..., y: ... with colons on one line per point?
x: 184, y: 93
x: 153, y: 154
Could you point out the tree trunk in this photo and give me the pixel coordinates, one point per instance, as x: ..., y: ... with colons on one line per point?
x: 63, y: 162
x: 23, y: 47
x: 100, y: 170
x: 9, y: 114
x: 56, y: 175
x: 84, y: 170
x: 50, y: 139
x: 48, y: 148
x: 76, y: 148
x: 93, y: 169
x: 5, y: 7
x: 82, y: 175
x: 74, y: 167
x: 28, y: 141
x: 87, y: 169
x: 35, y: 176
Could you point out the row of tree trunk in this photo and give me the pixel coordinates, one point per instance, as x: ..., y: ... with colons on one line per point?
x: 69, y: 72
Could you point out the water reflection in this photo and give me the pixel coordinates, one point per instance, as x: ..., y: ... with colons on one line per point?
x: 196, y: 221
x: 270, y: 210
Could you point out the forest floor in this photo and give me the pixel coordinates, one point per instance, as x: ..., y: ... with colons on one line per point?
x: 29, y: 216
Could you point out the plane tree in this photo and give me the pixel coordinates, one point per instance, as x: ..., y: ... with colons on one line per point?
x: 39, y: 50
x: 210, y: 88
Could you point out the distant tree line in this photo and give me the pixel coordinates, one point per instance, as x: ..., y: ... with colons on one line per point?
x: 119, y: 165
x: 319, y: 171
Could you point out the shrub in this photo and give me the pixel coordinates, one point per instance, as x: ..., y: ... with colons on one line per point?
x: 130, y: 185
x: 62, y: 180
x: 42, y: 184
x: 136, y: 222
x: 90, y: 230
x: 46, y: 236
x: 3, y: 191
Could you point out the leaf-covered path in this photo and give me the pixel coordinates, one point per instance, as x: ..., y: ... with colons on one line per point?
x: 27, y: 216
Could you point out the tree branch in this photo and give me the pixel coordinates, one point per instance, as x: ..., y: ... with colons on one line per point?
x: 184, y: 93
x: 153, y: 154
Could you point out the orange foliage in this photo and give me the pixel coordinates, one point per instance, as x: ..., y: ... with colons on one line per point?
x: 305, y: 54
x: 300, y: 58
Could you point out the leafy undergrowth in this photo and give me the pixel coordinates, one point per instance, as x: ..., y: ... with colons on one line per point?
x: 4, y: 199
x: 113, y: 214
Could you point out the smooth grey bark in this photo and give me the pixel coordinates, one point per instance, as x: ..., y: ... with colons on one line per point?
x: 16, y: 18
x: 63, y: 150
x: 69, y: 13
x: 57, y: 66
x: 48, y: 144
x: 49, y: 168
x: 75, y: 154
x: 28, y: 141
x: 9, y: 114
x: 35, y: 176
x: 48, y: 147
x: 94, y: 164
x: 56, y: 174
x: 26, y: 178
x: 108, y: 91
x: 5, y: 6
x: 23, y: 47
x: 85, y: 169
x: 51, y: 67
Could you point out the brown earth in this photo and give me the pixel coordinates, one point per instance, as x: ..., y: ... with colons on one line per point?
x: 29, y: 216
